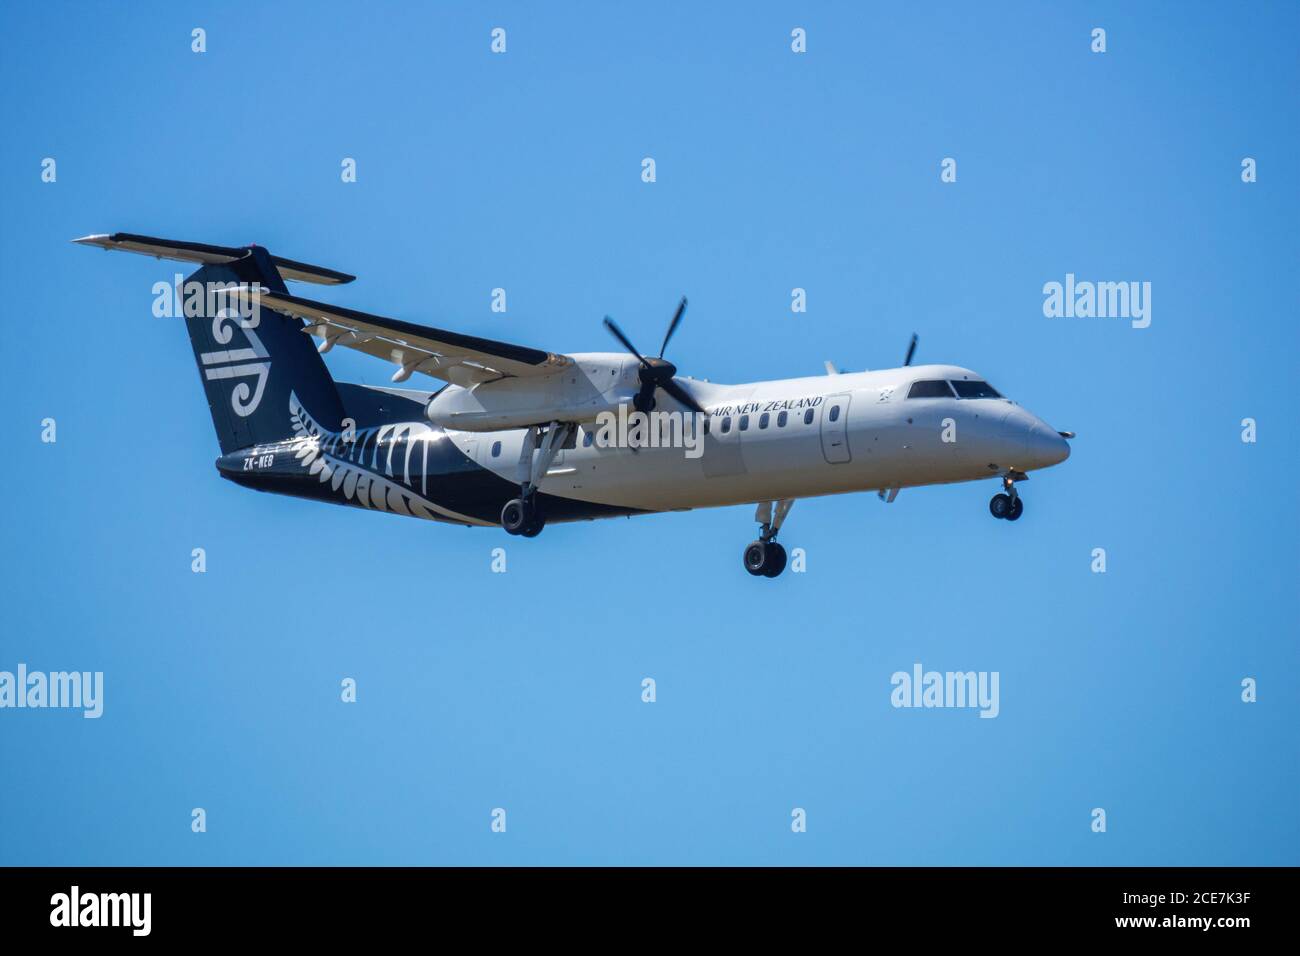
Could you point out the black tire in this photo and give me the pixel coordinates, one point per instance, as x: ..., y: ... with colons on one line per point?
x: 756, y: 558
x: 535, y: 526
x: 1017, y: 509
x: 516, y: 516
x: 776, y: 559
x: 1000, y: 505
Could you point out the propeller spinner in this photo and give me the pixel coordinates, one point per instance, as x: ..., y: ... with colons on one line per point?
x: 656, y: 372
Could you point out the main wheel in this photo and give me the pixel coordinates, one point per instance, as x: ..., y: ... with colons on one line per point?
x: 1000, y: 505
x: 756, y: 558
x: 775, y: 560
x: 516, y: 516
x: 535, y: 526
x: 1017, y: 509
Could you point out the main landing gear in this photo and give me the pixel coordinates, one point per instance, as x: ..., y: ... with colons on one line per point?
x: 764, y: 557
x: 522, y: 515
x: 1008, y: 505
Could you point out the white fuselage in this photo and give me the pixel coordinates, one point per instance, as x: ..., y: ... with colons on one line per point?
x: 841, y: 433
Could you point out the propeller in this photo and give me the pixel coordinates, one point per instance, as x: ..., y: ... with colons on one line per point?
x: 656, y: 372
x: 911, y: 350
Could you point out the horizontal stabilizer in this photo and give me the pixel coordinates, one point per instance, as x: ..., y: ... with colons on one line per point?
x: 205, y: 254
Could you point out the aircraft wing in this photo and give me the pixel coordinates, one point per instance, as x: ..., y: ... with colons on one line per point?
x: 451, y: 356
x: 460, y: 359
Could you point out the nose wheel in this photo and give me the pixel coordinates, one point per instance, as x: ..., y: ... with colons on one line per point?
x: 1008, y: 505
x: 765, y: 558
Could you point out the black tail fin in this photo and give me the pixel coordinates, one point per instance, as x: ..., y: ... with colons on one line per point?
x: 250, y: 365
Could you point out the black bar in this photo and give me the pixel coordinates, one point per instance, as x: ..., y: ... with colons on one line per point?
x: 207, y: 905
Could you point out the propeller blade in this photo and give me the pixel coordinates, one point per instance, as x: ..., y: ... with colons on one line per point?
x: 627, y: 343
x: 911, y: 350
x: 676, y: 391
x: 672, y: 326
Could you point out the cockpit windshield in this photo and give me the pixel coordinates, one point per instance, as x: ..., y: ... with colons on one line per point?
x: 975, y: 390
x: 929, y: 389
x: 937, y: 388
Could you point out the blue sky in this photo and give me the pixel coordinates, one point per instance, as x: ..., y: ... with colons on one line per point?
x: 775, y: 170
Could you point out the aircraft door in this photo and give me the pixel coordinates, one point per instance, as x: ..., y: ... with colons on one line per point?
x: 835, y: 429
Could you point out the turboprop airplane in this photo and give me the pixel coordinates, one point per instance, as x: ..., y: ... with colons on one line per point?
x: 516, y: 437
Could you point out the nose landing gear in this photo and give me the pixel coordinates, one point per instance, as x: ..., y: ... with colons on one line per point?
x: 764, y: 557
x: 1008, y: 505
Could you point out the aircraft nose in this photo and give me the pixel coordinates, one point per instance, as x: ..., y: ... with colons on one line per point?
x: 1045, y: 446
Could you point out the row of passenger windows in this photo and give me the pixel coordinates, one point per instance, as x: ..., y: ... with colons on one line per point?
x: 963, y: 389
x: 764, y: 420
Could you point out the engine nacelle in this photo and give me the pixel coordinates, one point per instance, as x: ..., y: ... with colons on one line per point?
x: 595, y: 383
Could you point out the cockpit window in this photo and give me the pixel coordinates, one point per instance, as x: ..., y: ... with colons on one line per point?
x: 975, y: 390
x: 930, y: 390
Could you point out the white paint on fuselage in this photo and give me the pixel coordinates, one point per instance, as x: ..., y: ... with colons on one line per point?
x: 893, y: 442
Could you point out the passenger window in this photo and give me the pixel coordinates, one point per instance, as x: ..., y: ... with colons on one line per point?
x: 835, y: 413
x: 807, y: 417
x: 496, y: 449
x: 726, y: 424
x: 763, y: 420
x: 975, y: 390
x: 744, y: 422
x: 586, y: 438
x: 781, y: 419
x: 930, y: 390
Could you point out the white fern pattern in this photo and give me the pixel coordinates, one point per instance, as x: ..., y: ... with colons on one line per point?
x: 330, y: 458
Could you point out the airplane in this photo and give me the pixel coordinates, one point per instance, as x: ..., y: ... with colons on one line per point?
x: 508, y: 439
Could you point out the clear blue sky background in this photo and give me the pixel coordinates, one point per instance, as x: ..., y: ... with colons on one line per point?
x: 522, y: 690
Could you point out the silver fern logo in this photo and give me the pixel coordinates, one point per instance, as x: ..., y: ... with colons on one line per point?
x: 340, y: 460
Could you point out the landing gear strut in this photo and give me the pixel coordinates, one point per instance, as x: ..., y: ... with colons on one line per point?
x: 521, y: 515
x: 764, y: 557
x: 1008, y: 504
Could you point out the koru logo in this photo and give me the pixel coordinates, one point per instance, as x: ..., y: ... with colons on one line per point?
x: 242, y: 399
